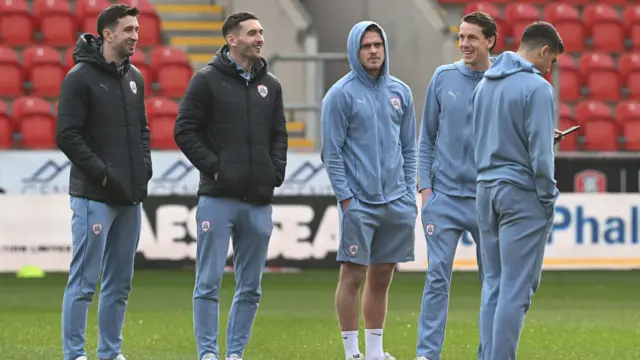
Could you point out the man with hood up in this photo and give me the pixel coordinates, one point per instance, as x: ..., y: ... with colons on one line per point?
x: 102, y: 129
x: 447, y: 173
x: 514, y: 113
x: 231, y: 126
x: 369, y: 151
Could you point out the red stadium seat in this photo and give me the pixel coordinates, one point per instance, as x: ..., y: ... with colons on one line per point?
x: 56, y: 22
x: 592, y: 109
x: 601, y: 135
x: 566, y: 121
x: 631, y: 135
x: 44, y: 69
x: 566, y: 19
x: 630, y: 70
x: 601, y: 76
x: 67, y: 59
x: 161, y: 114
x: 631, y: 19
x: 573, y: 2
x: 628, y: 111
x: 149, y: 22
x: 570, y: 80
x: 6, y: 127
x: 492, y: 10
x: 517, y: 17
x: 35, y: 122
x: 139, y: 60
x: 87, y: 12
x: 173, y: 70
x: 12, y: 74
x: 605, y: 27
x: 16, y: 23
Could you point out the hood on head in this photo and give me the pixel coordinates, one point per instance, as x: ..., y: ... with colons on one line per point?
x: 353, y: 50
x: 509, y: 63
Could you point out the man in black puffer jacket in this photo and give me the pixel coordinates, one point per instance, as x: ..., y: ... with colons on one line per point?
x: 231, y: 126
x: 102, y: 129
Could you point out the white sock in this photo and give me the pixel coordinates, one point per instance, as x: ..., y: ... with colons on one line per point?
x: 373, y: 341
x: 350, y: 341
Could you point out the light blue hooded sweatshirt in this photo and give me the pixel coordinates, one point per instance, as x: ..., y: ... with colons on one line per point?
x: 445, y: 152
x: 369, y: 131
x: 513, y: 122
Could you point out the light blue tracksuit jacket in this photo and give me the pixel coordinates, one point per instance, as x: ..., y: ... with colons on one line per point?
x: 369, y: 131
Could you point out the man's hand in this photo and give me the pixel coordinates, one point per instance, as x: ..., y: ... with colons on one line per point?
x: 424, y: 194
x: 345, y: 203
x: 556, y: 136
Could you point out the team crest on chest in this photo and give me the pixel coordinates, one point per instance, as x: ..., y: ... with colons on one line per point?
x: 431, y: 229
x: 96, y: 228
x: 395, y: 102
x: 263, y: 90
x: 134, y: 88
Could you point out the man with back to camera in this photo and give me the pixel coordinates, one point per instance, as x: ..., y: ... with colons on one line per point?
x: 369, y: 151
x: 102, y: 129
x: 232, y: 128
x: 447, y: 173
x: 514, y: 113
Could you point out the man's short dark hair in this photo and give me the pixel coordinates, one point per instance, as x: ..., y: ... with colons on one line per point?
x: 539, y: 34
x: 486, y: 23
x: 232, y: 22
x: 109, y: 17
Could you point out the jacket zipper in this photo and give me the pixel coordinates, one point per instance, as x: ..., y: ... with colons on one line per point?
x: 126, y: 120
x: 248, y: 98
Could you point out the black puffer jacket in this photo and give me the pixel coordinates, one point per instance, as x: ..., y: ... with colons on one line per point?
x: 235, y: 128
x: 102, y: 128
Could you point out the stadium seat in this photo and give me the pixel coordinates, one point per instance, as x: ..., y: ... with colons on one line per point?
x: 173, y: 70
x: 566, y: 121
x: 6, y: 127
x: 566, y: 19
x: 16, y: 23
x: 45, y: 71
x: 149, y: 22
x: 570, y: 79
x: 631, y: 20
x: 599, y: 127
x: 161, y: 114
x: 492, y: 10
x: 601, y: 76
x: 616, y: 2
x: 56, y: 22
x: 87, y: 12
x: 67, y: 58
x: 628, y: 110
x: 629, y: 67
x: 35, y: 122
x: 517, y: 17
x: 12, y: 75
x: 631, y: 135
x: 139, y: 60
x: 605, y: 28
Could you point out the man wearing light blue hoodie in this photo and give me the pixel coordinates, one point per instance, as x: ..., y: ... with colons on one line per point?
x: 369, y: 152
x: 447, y: 173
x: 514, y: 114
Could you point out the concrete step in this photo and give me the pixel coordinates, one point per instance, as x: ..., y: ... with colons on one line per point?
x: 193, y: 34
x: 177, y: 12
x: 205, y: 26
x: 171, y: 2
x: 197, y: 42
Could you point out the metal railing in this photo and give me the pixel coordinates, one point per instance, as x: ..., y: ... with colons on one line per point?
x: 314, y: 82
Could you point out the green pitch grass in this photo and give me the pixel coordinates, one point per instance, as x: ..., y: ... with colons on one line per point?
x: 575, y: 315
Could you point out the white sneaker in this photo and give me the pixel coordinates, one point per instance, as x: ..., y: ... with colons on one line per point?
x: 209, y: 357
x: 234, y: 356
x: 356, y: 357
x: 120, y: 357
x: 388, y: 357
x: 421, y: 358
x: 81, y: 358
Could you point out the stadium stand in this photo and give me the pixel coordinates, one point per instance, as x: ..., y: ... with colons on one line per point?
x: 36, y: 51
x: 599, y: 75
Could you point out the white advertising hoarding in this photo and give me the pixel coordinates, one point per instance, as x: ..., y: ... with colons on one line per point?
x: 591, y: 231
